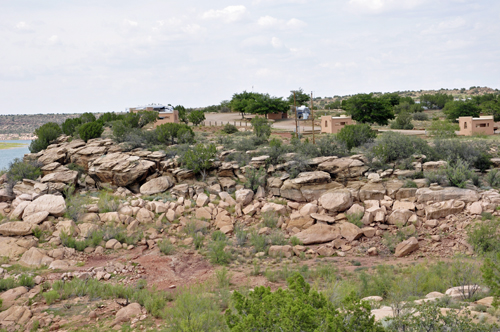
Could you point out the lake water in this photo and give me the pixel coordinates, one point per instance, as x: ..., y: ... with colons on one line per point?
x: 7, y: 155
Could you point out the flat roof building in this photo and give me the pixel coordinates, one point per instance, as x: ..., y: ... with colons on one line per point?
x: 469, y: 126
x: 333, y: 124
x: 166, y: 114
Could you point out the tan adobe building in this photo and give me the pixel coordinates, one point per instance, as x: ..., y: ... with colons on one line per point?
x: 277, y: 116
x: 333, y: 124
x: 166, y: 114
x: 470, y: 126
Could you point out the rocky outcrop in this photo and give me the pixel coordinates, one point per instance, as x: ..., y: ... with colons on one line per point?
x: 53, y: 204
x: 157, y: 185
x: 406, y: 247
x: 318, y: 233
x: 442, y: 209
x: 16, y: 228
x: 445, y: 194
x: 336, y: 201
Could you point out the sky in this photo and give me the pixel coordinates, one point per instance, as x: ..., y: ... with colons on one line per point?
x: 68, y: 56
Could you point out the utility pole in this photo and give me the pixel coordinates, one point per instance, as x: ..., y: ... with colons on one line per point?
x: 296, y: 117
x: 312, y: 117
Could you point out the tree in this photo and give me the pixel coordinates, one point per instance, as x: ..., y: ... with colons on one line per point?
x: 168, y: 132
x: 456, y: 109
x: 443, y: 129
x: 264, y: 104
x: 45, y: 135
x: 90, y: 130
x: 392, y: 98
x: 492, y: 107
x: 403, y: 121
x: 301, y: 98
x: 436, y: 101
x: 298, y: 308
x: 87, y: 117
x: 196, y: 117
x: 182, y: 113
x: 407, y: 107
x: 261, y: 127
x: 146, y: 117
x: 200, y: 158
x: 69, y: 126
x: 240, y: 101
x: 356, y: 135
x: 365, y: 108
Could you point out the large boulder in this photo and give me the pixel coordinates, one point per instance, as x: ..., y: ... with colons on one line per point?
x: 127, y: 313
x: 406, y: 247
x: 35, y: 257
x: 318, y: 233
x: 157, y: 185
x: 350, y: 232
x: 53, y: 204
x: 344, y: 167
x: 316, y: 177
x: 465, y: 195
x: 18, y: 211
x: 10, y: 248
x: 244, y: 196
x: 442, y: 209
x: 280, y: 251
x: 202, y: 200
x: 336, y: 201
x: 372, y: 191
x: 16, y: 228
x: 66, y: 176
x: 121, y: 169
x: 399, y: 217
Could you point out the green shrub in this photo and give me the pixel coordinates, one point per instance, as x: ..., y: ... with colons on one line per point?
x: 166, y: 247
x: 51, y: 296
x: 200, y: 158
x: 483, y: 236
x: 410, y: 184
x: 198, y: 240
x: 108, y: 202
x: 356, y: 135
x: 493, y: 178
x: 261, y: 127
x: 355, y: 218
x: 196, y: 117
x: 255, y: 178
x: 69, y: 126
x: 420, y: 116
x: 329, y: 145
x: 90, y: 130
x: 87, y: 117
x: 218, y: 236
x: 75, y: 204
x: 241, y: 158
x: 19, y: 170
x: 217, y: 253
x: 458, y: 173
x: 45, y: 135
x: 258, y: 241
x: 294, y: 241
x: 167, y: 133
x: 456, y: 109
x: 394, y: 147
x: 276, y: 238
x: 443, y: 129
x: 270, y: 219
x: 229, y: 129
x: 26, y: 281
x: 438, y: 176
x: 402, y: 121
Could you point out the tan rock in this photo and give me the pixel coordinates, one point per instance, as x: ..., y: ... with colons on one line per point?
x: 16, y: 228
x: 278, y: 208
x: 145, y: 216
x: 406, y: 247
x: 369, y: 232
x: 280, y: 251
x: 308, y: 209
x: 443, y: 209
x: 66, y: 176
x: 451, y: 193
x: 336, y: 201
x: 244, y: 196
x: 35, y: 257
x: 10, y: 296
x: 53, y: 204
x: 18, y: 211
x: 325, y: 251
x: 202, y: 200
x: 318, y: 233
x: 157, y: 185
x: 399, y: 217
x: 127, y: 313
x: 373, y: 251
x: 372, y: 191
x: 203, y: 213
x: 350, y: 232
x: 401, y: 205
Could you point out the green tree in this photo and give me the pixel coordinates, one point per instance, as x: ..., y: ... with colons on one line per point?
x: 264, y: 104
x: 407, y: 107
x: 45, y: 135
x: 200, y: 158
x: 435, y: 101
x: 392, y: 98
x: 69, y: 126
x: 301, y: 98
x: 182, y: 113
x: 261, y: 127
x: 403, y: 121
x: 443, y: 129
x: 297, y: 308
x: 168, y: 132
x: 356, y: 135
x: 492, y: 107
x: 87, y: 117
x: 196, y: 117
x: 366, y: 108
x: 90, y: 130
x: 456, y: 109
x: 109, y: 117
x: 239, y: 102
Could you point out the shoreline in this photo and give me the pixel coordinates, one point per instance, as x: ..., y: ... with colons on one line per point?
x: 16, y: 137
x: 9, y: 146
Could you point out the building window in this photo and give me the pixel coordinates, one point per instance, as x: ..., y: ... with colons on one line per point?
x: 342, y: 123
x: 465, y: 125
x: 326, y: 124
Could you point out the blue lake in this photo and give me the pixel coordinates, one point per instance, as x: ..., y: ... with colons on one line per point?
x: 7, y: 155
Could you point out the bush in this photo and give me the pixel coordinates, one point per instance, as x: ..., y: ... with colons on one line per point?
x: 355, y: 218
x: 356, y: 135
x: 261, y: 127
x: 69, y: 126
x: 270, y: 219
x: 468, y: 151
x: 255, y: 178
x: 108, y: 202
x: 329, y: 145
x: 45, y: 135
x: 394, y: 147
x: 483, y: 236
x: 90, y: 130
x: 493, y: 178
x: 196, y: 117
x: 456, y: 109
x: 443, y: 129
x: 200, y: 158
x: 26, y: 281
x: 258, y: 241
x: 75, y: 204
x: 403, y: 121
x: 410, y: 184
x: 168, y: 132
x: 420, y: 116
x: 166, y: 247
x: 241, y: 158
x: 294, y: 241
x: 229, y: 129
x: 51, y: 296
x: 458, y: 173
x: 438, y: 177
x: 217, y: 253
x: 276, y: 151
x: 19, y: 170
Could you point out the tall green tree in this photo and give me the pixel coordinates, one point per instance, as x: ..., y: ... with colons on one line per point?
x: 45, y: 135
x: 240, y: 101
x: 200, y: 158
x: 196, y: 117
x: 264, y: 104
x: 365, y: 108
x: 301, y: 98
x: 456, y: 109
x: 182, y: 113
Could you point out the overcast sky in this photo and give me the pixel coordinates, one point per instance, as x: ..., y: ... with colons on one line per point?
x: 66, y: 56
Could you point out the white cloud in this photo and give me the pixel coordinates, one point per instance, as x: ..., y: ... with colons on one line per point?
x: 377, y: 6
x: 53, y: 40
x: 295, y: 23
x: 276, y: 42
x: 273, y: 22
x: 130, y: 23
x: 267, y: 21
x: 228, y: 14
x: 24, y: 27
x: 445, y: 26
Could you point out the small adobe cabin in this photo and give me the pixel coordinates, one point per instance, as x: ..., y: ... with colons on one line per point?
x: 333, y: 124
x: 166, y: 114
x: 470, y: 126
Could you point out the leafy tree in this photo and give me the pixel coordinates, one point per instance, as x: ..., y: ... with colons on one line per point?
x: 261, y: 127
x: 200, y: 158
x: 297, y: 308
x: 492, y: 107
x: 393, y: 98
x: 403, y: 121
x: 109, y: 117
x: 456, y: 109
x: 407, y: 107
x: 443, y: 129
x: 90, y: 130
x: 45, y: 134
x: 182, y: 113
x: 356, y: 135
x: 87, y: 117
x: 69, y: 126
x: 366, y: 108
x: 436, y: 101
x: 301, y: 98
x: 240, y: 101
x: 196, y: 117
x: 146, y: 117
x: 334, y: 105
x: 408, y: 100
x: 168, y: 132
x: 19, y: 170
x: 264, y: 104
